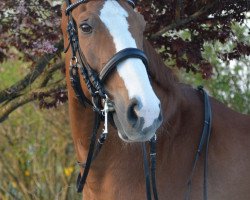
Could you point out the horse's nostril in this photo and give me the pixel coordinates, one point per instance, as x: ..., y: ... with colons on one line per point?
x: 160, y: 118
x: 132, y: 113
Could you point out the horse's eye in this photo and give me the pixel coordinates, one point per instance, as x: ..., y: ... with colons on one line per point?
x: 86, y: 28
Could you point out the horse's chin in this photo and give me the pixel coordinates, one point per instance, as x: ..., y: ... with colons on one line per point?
x: 125, y: 138
x: 128, y: 137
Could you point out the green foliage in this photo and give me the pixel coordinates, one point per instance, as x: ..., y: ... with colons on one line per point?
x: 37, y: 158
x: 227, y: 88
x: 10, y: 72
x: 230, y: 82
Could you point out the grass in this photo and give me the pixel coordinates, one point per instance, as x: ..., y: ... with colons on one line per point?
x: 37, y: 158
x: 11, y: 72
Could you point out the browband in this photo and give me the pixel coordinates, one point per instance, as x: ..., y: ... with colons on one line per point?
x: 74, y: 5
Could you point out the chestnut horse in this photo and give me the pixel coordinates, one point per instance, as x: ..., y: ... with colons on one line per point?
x: 140, y: 96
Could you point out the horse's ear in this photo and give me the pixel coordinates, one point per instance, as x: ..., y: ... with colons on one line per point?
x: 132, y: 3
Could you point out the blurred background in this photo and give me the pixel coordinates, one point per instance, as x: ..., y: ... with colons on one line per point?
x: 37, y: 159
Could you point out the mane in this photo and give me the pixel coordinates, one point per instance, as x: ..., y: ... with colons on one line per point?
x: 159, y: 72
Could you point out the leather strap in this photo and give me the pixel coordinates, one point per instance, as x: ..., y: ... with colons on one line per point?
x: 132, y: 3
x: 150, y: 174
x: 153, y: 166
x: 81, y: 180
x: 73, y: 6
x: 119, y: 57
x: 204, y: 141
x: 146, y: 171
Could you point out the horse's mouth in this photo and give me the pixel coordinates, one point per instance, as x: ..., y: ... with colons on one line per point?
x: 141, y: 136
x: 125, y: 138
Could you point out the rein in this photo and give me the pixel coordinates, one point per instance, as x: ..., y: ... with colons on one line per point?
x: 204, y: 141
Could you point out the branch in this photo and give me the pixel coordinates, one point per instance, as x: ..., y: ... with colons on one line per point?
x: 50, y: 72
x: 182, y: 22
x: 6, y: 109
x: 179, y: 9
x: 14, y: 90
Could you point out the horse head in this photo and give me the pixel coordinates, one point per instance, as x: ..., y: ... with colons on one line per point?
x: 105, y: 28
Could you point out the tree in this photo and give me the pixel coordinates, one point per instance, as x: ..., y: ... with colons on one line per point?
x: 33, y: 28
x: 230, y: 82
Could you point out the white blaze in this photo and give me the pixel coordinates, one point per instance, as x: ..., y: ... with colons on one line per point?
x: 132, y: 70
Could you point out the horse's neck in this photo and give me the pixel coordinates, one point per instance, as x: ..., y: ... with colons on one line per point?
x: 179, y: 135
x: 161, y: 74
x: 164, y: 82
x: 182, y: 106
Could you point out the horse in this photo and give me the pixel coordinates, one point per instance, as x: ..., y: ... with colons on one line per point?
x: 148, y: 100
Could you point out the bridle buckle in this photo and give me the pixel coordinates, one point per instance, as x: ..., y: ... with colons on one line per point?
x: 73, y: 61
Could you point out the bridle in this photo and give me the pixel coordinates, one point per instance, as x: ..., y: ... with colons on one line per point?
x: 93, y: 80
x: 94, y: 83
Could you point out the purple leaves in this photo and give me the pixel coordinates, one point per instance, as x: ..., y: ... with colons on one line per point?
x: 206, y: 21
x: 43, y: 47
x: 32, y: 27
x: 21, y: 8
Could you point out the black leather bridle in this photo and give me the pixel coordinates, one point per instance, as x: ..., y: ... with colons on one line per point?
x: 94, y: 83
x: 93, y: 80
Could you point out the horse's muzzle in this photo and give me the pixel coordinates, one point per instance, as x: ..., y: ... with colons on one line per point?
x: 136, y: 124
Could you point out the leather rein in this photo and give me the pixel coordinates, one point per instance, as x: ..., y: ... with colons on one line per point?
x: 94, y: 83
